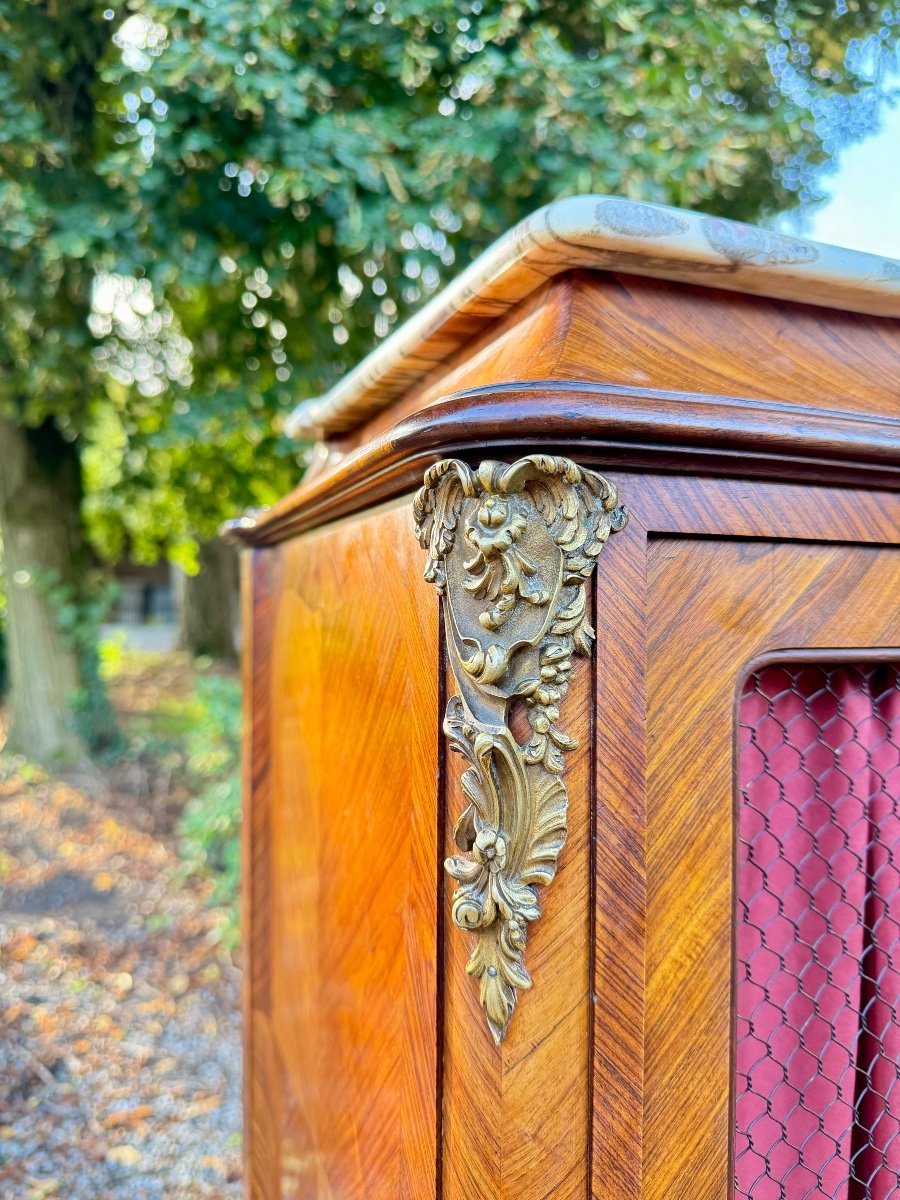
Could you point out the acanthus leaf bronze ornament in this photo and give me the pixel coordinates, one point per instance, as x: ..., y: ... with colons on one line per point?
x: 510, y: 549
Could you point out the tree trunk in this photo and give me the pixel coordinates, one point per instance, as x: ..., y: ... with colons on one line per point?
x: 55, y: 711
x: 209, y: 603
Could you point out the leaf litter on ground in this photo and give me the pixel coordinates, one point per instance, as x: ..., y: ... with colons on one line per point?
x: 120, y: 1028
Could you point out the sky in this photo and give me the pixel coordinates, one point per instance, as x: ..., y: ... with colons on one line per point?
x: 864, y: 210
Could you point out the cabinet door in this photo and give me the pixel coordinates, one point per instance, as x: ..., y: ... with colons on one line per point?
x: 715, y: 607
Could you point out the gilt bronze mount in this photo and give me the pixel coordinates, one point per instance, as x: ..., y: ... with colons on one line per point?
x: 510, y: 549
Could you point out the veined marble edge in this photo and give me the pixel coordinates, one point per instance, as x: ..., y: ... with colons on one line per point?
x: 609, y: 233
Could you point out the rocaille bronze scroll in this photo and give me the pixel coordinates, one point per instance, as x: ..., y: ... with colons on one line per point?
x: 510, y: 549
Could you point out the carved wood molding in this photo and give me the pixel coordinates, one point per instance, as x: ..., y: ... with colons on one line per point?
x: 510, y: 549
x: 634, y: 428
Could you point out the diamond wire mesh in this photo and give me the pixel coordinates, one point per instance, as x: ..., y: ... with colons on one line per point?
x: 817, y: 1021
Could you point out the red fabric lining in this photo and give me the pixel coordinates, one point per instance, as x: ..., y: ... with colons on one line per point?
x: 817, y: 1100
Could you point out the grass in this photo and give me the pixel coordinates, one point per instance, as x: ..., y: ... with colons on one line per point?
x: 182, y: 724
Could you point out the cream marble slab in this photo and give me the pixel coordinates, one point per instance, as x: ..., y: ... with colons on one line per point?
x: 611, y: 234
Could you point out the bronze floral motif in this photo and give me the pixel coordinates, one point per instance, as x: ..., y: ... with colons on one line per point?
x: 510, y: 549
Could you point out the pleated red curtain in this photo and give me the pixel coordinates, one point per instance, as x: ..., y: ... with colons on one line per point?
x: 817, y: 1098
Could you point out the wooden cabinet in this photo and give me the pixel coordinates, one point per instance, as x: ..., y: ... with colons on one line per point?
x: 682, y: 433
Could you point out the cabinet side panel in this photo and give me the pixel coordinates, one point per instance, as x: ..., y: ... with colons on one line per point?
x: 259, y: 571
x: 349, y: 913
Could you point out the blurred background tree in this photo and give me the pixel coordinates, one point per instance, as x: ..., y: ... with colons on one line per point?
x: 212, y: 207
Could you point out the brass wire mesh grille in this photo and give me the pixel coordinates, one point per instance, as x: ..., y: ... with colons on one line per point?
x: 817, y: 1020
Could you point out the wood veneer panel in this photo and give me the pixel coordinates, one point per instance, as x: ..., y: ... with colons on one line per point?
x: 658, y: 333
x: 346, y: 710
x: 524, y: 344
x: 714, y: 605
x: 636, y: 332
x: 516, y: 1117
x: 679, y: 504
x: 262, y: 1119
x: 620, y: 864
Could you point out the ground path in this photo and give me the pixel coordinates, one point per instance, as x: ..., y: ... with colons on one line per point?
x: 119, y: 1027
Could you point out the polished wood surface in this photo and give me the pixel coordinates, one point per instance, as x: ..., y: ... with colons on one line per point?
x: 625, y: 331
x: 619, y: 858
x: 713, y: 605
x: 691, y: 609
x: 605, y: 234
x: 663, y: 431
x: 516, y: 1117
x: 755, y: 443
x: 262, y: 1099
x: 342, y: 1024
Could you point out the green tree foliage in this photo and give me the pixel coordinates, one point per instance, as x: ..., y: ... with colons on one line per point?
x: 322, y: 167
x: 208, y: 208
x: 62, y: 214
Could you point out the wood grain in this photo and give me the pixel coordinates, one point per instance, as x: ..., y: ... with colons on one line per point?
x: 661, y: 431
x: 755, y: 442
x: 516, y: 1116
x: 657, y: 333
x: 342, y: 919
x: 713, y: 606
x: 262, y: 1102
x: 640, y: 240
x: 619, y: 835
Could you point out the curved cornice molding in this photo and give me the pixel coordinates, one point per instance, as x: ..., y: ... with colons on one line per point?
x: 610, y: 234
x: 597, y: 423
